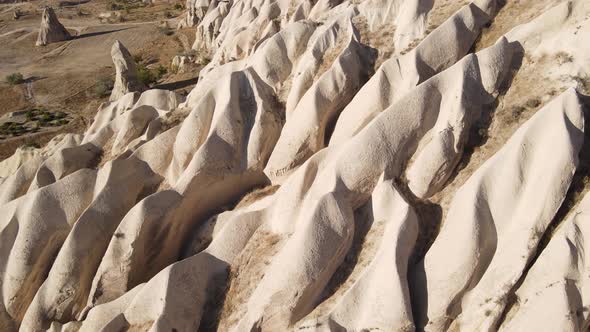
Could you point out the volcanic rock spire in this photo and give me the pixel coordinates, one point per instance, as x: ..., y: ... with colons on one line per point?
x: 51, y: 30
x: 126, y: 79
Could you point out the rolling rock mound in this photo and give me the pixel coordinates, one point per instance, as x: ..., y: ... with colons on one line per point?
x: 339, y: 166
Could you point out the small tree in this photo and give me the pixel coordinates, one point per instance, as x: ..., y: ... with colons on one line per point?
x: 15, y: 78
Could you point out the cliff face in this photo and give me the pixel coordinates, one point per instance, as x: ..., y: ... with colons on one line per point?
x: 339, y: 166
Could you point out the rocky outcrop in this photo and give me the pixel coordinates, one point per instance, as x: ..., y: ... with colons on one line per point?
x: 126, y: 79
x: 51, y: 30
x: 181, y: 63
x: 339, y: 166
x: 195, y: 11
x: 498, y: 239
x: 555, y: 291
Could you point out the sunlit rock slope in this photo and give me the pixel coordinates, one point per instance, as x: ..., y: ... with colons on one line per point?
x: 376, y: 165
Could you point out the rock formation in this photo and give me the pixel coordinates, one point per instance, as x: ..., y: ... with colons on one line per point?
x: 51, y: 29
x: 181, y: 63
x: 195, y: 11
x: 126, y: 77
x: 339, y: 166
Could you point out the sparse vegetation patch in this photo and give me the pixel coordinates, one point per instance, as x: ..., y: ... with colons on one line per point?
x: 563, y: 57
x: 533, y: 103
x: 126, y: 6
x: 31, y: 121
x: 103, y: 87
x: 150, y: 76
x: 15, y: 79
x: 166, y: 30
x: 583, y: 83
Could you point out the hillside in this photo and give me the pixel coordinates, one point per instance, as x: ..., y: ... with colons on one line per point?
x: 357, y: 165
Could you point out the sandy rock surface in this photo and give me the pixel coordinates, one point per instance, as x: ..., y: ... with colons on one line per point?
x: 339, y: 166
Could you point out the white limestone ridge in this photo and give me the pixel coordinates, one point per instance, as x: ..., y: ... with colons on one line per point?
x: 369, y: 165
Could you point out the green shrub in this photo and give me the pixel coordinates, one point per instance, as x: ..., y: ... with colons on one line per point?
x: 178, y: 6
x: 124, y: 5
x: 46, y: 117
x: 145, y: 75
x: 161, y: 71
x: 563, y: 57
x: 533, y: 103
x: 103, y: 87
x: 114, y: 6
x: 15, y: 78
x: 12, y: 128
x: 166, y: 31
x: 517, y: 111
x: 150, y: 76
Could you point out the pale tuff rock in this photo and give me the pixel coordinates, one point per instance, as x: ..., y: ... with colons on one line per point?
x: 320, y: 177
x: 399, y: 74
x: 371, y: 301
x: 126, y: 79
x: 495, y: 232
x: 10, y: 165
x: 210, y: 26
x: 411, y: 22
x: 559, y: 34
x: 442, y: 150
x: 120, y: 181
x: 338, y: 168
x: 36, y: 216
x: 20, y: 182
x: 181, y: 63
x: 320, y: 104
x: 555, y: 291
x: 64, y: 162
x: 51, y: 30
x: 195, y: 11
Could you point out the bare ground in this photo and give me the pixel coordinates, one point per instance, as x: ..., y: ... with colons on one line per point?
x: 62, y: 76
